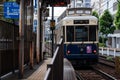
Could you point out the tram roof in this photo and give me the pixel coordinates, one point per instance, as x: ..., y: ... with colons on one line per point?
x: 86, y: 17
x: 79, y: 17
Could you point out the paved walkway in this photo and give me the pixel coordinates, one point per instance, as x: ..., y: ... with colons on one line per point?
x: 39, y: 74
x: 31, y: 74
x: 39, y: 70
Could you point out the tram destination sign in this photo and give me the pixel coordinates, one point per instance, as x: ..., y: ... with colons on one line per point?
x: 81, y: 21
x: 11, y: 10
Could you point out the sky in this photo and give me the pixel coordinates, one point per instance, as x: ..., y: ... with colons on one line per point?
x: 57, y: 11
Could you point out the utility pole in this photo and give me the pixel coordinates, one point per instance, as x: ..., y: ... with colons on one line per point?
x: 21, y: 37
x: 52, y: 27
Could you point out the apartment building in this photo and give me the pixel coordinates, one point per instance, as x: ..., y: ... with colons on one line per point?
x: 80, y: 3
x: 101, y: 5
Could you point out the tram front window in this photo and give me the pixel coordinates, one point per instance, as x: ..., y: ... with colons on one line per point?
x: 81, y: 33
x: 70, y: 33
x: 92, y: 33
x: 77, y: 33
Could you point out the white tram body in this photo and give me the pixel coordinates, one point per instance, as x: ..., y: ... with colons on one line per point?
x: 80, y: 33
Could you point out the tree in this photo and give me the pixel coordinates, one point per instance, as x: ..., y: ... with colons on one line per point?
x: 94, y: 13
x: 117, y: 18
x: 106, y: 22
x: 106, y: 25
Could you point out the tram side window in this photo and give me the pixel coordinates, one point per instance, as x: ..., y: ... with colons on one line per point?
x: 92, y: 33
x: 70, y: 33
x: 81, y: 33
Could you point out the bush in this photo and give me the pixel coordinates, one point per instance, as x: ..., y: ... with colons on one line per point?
x: 102, y: 39
x: 102, y: 45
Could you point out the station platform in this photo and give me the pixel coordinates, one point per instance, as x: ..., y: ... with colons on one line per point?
x: 39, y: 71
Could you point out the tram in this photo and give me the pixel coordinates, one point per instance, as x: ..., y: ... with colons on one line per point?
x: 80, y: 32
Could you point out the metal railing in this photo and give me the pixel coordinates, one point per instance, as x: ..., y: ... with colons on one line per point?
x: 109, y: 51
x: 55, y: 68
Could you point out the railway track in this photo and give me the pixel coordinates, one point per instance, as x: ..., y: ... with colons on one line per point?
x: 109, y: 67
x: 104, y: 70
x: 104, y: 61
x: 93, y: 74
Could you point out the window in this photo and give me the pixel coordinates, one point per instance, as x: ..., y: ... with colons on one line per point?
x: 114, y: 6
x: 78, y: 5
x: 87, y: 4
x: 87, y: 12
x: 81, y: 33
x: 87, y: 0
x: 79, y: 11
x: 92, y: 33
x: 71, y: 12
x: 70, y: 33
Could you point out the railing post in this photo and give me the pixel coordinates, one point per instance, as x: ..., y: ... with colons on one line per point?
x: 114, y: 52
x: 55, y: 69
x: 50, y: 66
x: 31, y: 54
x: 107, y: 51
x: 102, y: 50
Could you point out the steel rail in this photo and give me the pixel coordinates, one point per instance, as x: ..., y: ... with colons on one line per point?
x: 105, y: 75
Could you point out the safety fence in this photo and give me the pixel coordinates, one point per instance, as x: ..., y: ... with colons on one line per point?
x: 109, y: 51
x: 9, y: 45
x: 55, y: 68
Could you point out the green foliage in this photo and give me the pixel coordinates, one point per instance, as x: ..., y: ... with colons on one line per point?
x: 102, y: 45
x: 94, y: 13
x: 117, y: 18
x: 112, y: 28
x: 110, y: 58
x: 102, y: 39
x: 106, y: 21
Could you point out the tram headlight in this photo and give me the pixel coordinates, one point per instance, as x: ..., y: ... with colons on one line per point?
x: 94, y: 51
x: 68, y: 52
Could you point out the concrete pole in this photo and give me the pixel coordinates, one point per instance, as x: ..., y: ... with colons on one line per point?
x: 31, y: 41
x: 38, y: 34
x: 21, y: 36
x: 43, y: 41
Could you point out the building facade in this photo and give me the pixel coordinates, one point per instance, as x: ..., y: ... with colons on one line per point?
x: 114, y: 39
x: 80, y: 3
x: 100, y: 6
